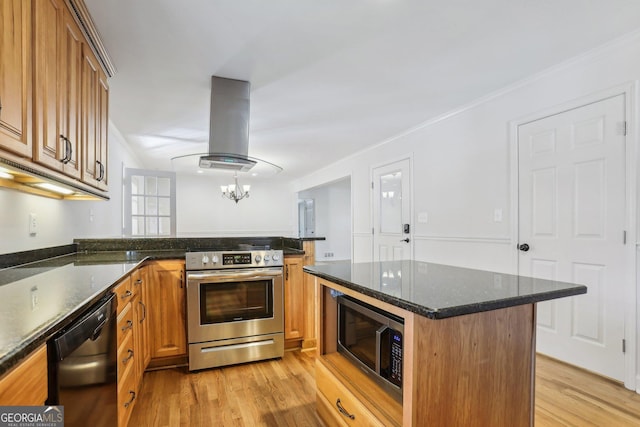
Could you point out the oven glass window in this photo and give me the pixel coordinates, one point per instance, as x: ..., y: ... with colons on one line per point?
x: 235, y: 301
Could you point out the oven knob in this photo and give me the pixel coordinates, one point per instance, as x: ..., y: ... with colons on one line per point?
x: 266, y: 257
x: 275, y: 257
x: 214, y: 259
x: 205, y: 259
x: 258, y: 258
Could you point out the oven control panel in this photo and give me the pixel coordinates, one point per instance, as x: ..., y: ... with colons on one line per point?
x: 213, y: 260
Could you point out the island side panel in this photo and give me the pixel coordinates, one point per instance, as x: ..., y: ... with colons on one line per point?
x: 476, y: 369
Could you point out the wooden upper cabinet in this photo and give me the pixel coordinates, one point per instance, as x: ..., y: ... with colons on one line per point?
x: 166, y: 309
x: 48, y: 18
x: 95, y: 117
x: 70, y: 91
x: 15, y: 77
x: 294, y: 304
x: 70, y: 106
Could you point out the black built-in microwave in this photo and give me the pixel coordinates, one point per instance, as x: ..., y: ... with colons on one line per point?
x: 372, y: 339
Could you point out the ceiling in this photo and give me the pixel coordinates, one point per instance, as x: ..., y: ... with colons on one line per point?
x: 329, y: 77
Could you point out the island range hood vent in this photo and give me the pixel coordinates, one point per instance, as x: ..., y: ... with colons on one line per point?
x: 228, y: 126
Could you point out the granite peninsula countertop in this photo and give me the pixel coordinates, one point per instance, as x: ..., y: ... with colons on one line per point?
x: 43, y: 290
x: 439, y: 291
x: 40, y: 298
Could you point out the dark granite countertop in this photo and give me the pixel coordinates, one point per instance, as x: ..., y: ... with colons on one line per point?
x: 43, y: 290
x: 40, y: 298
x: 438, y: 291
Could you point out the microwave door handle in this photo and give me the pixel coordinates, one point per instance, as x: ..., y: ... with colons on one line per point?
x: 379, y: 333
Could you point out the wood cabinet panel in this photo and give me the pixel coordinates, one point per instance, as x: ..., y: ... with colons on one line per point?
x: 311, y: 298
x: 294, y: 304
x: 166, y: 309
x: 26, y: 384
x: 124, y: 293
x: 15, y: 78
x: 139, y: 282
x: 57, y: 98
x: 48, y: 18
x: 95, y: 98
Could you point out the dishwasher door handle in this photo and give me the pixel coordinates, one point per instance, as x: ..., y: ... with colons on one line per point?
x: 97, y: 331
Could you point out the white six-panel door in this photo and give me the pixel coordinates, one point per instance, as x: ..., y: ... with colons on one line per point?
x: 571, y: 215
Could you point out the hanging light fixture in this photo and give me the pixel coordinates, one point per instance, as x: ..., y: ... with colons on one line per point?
x: 234, y: 191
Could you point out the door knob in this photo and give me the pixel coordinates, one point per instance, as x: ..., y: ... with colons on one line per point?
x: 405, y: 240
x: 524, y: 247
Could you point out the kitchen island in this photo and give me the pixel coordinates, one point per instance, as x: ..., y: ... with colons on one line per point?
x: 468, y: 351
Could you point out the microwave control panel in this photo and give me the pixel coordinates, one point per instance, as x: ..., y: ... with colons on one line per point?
x: 396, y: 358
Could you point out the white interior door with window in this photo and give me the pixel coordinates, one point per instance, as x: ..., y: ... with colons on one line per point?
x: 572, y: 197
x: 392, y: 211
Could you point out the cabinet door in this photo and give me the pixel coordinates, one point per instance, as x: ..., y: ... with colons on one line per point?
x: 167, y: 313
x: 70, y: 97
x: 15, y: 78
x: 293, y: 298
x: 140, y: 282
x: 48, y: 24
x: 95, y: 99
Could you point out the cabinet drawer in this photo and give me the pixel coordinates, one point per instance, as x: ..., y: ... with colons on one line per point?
x: 126, y: 356
x: 127, y: 394
x: 124, y: 291
x: 125, y: 324
x: 337, y: 396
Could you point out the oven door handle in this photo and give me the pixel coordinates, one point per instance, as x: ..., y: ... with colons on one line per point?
x: 235, y: 275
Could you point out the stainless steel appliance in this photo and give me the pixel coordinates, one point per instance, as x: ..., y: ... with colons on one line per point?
x: 372, y: 339
x: 234, y: 307
x: 83, y: 367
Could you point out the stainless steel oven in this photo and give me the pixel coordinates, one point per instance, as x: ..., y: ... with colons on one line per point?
x: 234, y: 307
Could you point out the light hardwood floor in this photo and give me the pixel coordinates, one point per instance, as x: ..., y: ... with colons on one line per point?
x: 282, y: 393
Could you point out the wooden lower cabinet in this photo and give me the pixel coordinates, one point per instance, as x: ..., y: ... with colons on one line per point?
x: 167, y: 310
x: 468, y: 370
x: 293, y: 300
x: 339, y: 404
x: 140, y: 282
x: 26, y: 384
x: 310, y: 295
x: 151, y: 323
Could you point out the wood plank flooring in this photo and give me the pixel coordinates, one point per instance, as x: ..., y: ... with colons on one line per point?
x: 282, y: 393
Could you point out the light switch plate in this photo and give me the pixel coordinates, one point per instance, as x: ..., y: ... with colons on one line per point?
x: 33, y: 224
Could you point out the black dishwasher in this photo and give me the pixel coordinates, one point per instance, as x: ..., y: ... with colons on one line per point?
x: 83, y: 367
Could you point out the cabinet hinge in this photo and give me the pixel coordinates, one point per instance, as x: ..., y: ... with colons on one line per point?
x: 624, y: 345
x: 622, y: 128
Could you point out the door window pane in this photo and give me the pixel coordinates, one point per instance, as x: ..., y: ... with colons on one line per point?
x: 391, y: 202
x: 164, y: 187
x: 164, y: 206
x: 149, y: 203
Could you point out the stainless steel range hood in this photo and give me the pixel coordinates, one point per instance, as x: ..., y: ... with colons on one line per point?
x: 228, y: 126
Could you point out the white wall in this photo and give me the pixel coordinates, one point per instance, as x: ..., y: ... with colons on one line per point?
x: 59, y: 222
x: 462, y: 168
x: 270, y: 209
x: 333, y: 219
x: 462, y: 162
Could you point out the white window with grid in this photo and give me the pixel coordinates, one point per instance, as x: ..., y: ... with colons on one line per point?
x: 150, y: 203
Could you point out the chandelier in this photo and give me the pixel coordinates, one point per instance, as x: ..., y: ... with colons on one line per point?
x: 234, y: 191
